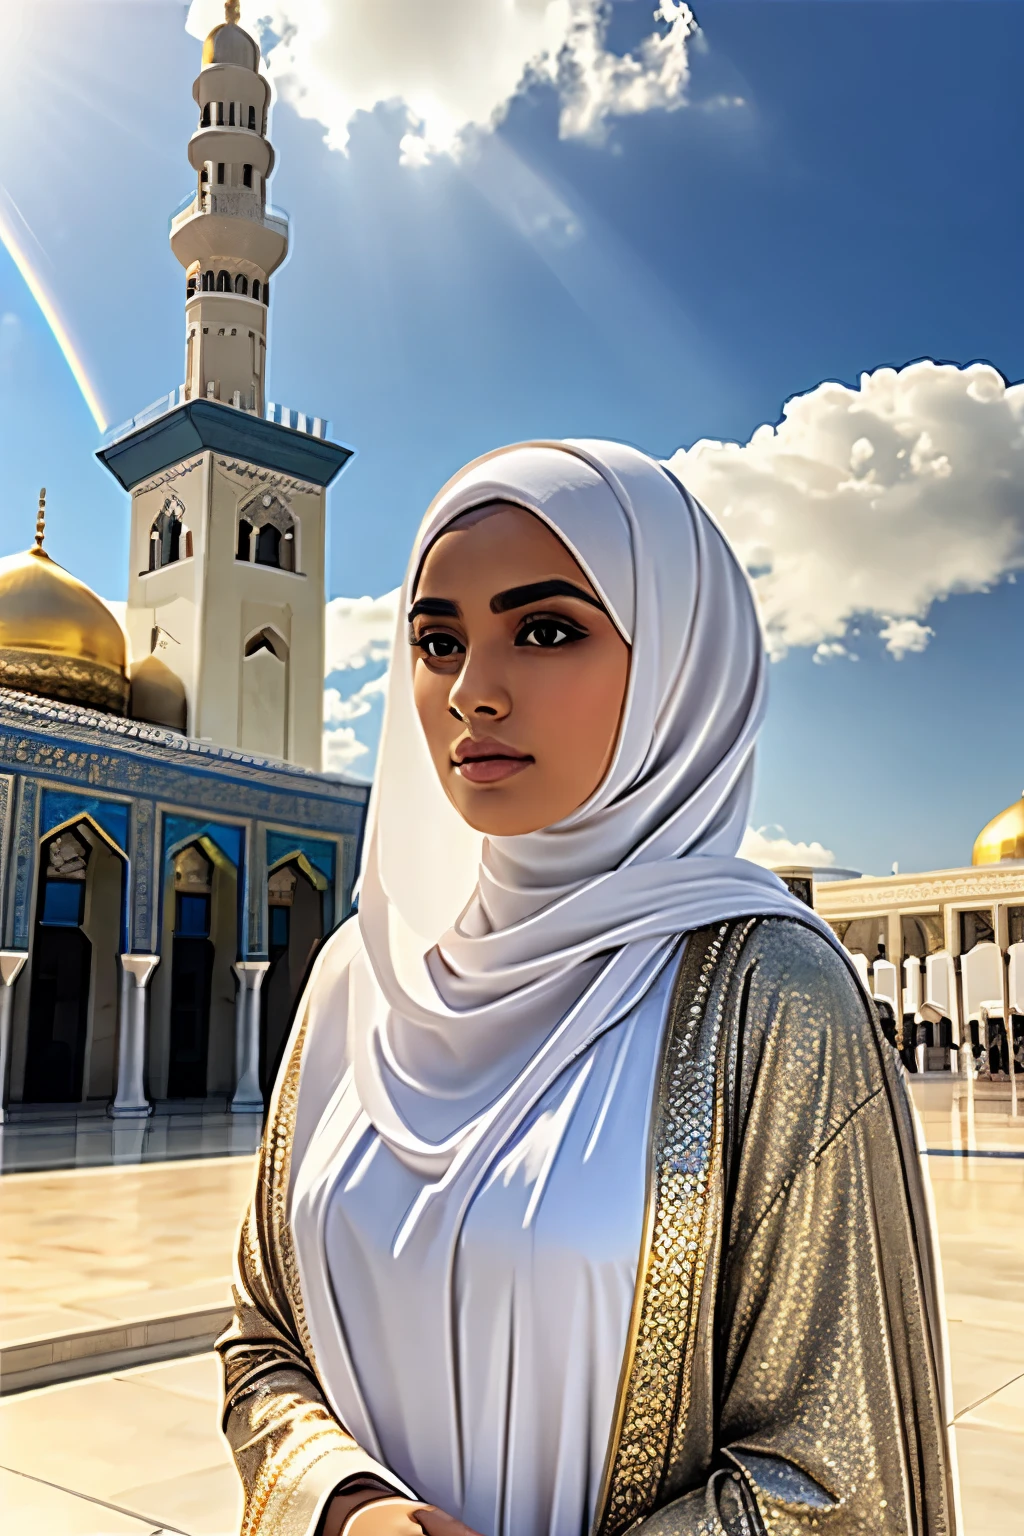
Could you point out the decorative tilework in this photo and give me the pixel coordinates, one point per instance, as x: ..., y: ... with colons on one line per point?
x: 85, y: 748
x: 7, y: 783
x: 142, y: 911
x: 255, y: 890
x: 24, y: 859
x: 63, y: 754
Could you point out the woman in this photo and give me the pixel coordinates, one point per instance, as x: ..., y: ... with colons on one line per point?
x: 589, y: 1197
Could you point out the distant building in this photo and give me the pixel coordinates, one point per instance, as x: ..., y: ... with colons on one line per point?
x: 170, y: 853
x: 945, y: 949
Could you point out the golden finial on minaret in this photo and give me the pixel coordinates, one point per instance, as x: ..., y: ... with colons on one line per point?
x: 41, y: 518
x: 232, y: 11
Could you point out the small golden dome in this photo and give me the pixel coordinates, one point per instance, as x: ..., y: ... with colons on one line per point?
x: 158, y: 695
x: 57, y: 638
x: 1003, y: 838
x: 229, y: 44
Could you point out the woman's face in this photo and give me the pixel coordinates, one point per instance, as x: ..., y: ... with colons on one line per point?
x: 519, y: 674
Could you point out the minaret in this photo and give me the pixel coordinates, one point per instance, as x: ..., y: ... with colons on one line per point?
x: 226, y: 583
x: 226, y: 238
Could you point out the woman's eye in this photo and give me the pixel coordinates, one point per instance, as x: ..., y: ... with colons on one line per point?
x: 439, y: 646
x: 549, y: 632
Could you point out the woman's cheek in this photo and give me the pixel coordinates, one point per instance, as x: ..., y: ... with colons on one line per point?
x: 576, y: 696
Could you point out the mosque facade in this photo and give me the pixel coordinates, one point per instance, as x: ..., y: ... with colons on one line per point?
x: 170, y: 851
x: 944, y: 949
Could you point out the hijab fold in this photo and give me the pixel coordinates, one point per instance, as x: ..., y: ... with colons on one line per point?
x: 489, y: 963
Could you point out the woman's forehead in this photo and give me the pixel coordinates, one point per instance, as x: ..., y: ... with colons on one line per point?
x: 499, y: 541
x: 568, y: 497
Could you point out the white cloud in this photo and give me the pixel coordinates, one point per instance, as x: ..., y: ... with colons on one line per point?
x: 904, y: 635
x: 456, y: 67
x: 770, y: 846
x: 359, y: 630
x: 872, y: 501
x: 833, y: 650
x: 341, y: 749
x: 338, y: 710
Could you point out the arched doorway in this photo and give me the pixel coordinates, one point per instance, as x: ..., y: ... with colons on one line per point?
x: 191, y: 974
x: 296, y: 921
x: 72, y: 1014
x: 58, y: 1017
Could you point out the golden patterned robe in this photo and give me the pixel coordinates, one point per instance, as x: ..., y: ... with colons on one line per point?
x: 781, y: 1372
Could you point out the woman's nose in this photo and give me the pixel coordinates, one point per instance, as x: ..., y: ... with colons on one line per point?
x: 479, y: 692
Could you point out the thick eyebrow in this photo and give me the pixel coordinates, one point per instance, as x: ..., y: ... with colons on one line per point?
x: 537, y: 591
x: 435, y: 607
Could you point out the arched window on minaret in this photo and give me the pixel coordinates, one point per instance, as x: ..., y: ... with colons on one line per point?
x: 208, y: 282
x: 190, y: 286
x: 265, y: 693
x: 255, y: 287
x: 252, y: 118
x: 223, y: 282
x: 220, y: 114
x: 231, y: 114
x: 266, y: 293
x: 170, y: 538
x: 220, y: 173
x: 246, y: 175
x: 266, y: 532
x: 204, y: 121
x: 241, y: 283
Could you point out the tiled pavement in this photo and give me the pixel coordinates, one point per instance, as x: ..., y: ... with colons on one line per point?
x: 138, y: 1450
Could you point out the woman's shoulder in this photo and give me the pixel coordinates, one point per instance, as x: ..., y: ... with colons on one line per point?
x: 797, y: 1015
x: 787, y: 952
x: 799, y: 951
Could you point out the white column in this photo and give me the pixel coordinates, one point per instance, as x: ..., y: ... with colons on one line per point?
x: 248, y: 1098
x: 11, y: 962
x: 130, y: 1100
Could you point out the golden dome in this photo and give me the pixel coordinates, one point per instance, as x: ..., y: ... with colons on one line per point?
x: 57, y: 637
x: 229, y: 44
x: 1003, y: 838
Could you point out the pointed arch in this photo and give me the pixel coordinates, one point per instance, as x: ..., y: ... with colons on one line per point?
x: 273, y: 538
x: 170, y: 538
x: 265, y: 690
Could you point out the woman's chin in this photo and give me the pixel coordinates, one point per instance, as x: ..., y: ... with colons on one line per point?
x: 496, y: 810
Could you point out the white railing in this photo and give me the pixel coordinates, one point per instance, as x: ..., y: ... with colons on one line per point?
x: 299, y: 421
x: 283, y: 415
x: 144, y: 417
x: 237, y: 203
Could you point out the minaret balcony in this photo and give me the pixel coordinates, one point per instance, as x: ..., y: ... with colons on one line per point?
x: 229, y: 224
x: 230, y: 146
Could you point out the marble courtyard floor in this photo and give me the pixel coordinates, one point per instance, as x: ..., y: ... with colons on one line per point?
x: 137, y: 1450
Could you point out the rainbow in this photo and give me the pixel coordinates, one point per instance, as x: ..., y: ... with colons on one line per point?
x: 49, y: 313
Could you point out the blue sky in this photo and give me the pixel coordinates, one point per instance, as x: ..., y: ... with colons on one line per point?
x: 842, y: 192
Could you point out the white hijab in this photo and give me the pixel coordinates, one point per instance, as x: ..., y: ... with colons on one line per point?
x: 494, y: 961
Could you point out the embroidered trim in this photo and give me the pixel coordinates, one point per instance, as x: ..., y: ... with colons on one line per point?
x: 646, y: 1449
x: 270, y: 1475
x: 278, y: 1159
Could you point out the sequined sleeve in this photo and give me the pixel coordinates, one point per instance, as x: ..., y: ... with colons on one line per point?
x: 789, y: 1292
x: 290, y: 1451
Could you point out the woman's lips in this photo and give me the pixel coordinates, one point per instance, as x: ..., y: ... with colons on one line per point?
x: 488, y: 762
